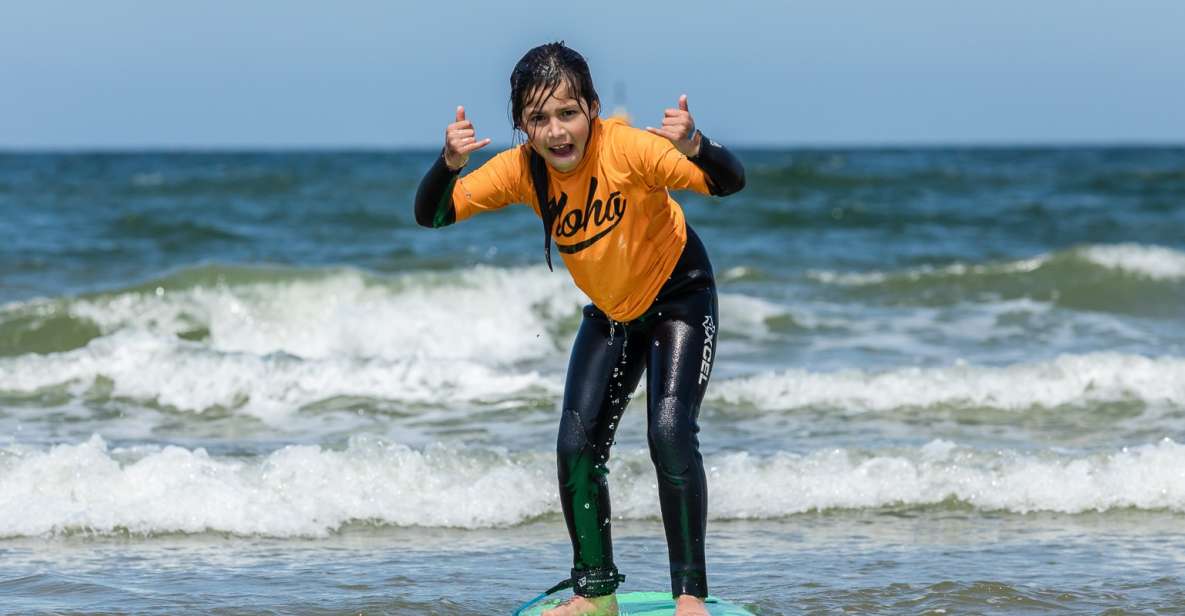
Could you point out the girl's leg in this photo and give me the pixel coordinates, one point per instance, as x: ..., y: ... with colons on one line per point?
x: 603, y: 371
x: 679, y: 364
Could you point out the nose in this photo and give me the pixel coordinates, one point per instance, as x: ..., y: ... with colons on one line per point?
x: 555, y: 128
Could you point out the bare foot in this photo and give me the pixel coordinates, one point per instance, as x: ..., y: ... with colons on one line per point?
x: 587, y: 606
x: 687, y: 605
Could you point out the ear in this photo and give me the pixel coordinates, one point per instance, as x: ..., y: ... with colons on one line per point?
x: 596, y: 109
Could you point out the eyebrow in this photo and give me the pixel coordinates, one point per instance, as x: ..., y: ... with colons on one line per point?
x: 563, y: 107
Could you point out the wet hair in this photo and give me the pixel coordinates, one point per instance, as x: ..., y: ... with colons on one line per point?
x: 541, y: 72
x: 534, y: 80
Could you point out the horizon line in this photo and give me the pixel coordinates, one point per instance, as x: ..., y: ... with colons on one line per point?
x: 394, y: 148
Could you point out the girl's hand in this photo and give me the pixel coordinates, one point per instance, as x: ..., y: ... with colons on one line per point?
x: 679, y: 127
x: 459, y: 140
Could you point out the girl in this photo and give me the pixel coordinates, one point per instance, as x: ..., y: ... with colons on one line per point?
x: 600, y: 188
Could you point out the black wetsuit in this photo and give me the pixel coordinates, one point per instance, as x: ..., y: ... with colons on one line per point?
x: 674, y: 342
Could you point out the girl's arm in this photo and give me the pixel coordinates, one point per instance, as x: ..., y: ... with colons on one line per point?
x: 723, y: 171
x: 434, y: 201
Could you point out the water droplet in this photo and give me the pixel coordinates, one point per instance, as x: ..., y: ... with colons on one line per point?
x: 655, y: 343
x: 586, y: 505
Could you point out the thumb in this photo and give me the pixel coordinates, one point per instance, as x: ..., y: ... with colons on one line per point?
x: 460, y: 113
x: 683, y: 102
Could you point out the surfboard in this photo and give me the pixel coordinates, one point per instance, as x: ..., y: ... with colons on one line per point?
x: 651, y: 604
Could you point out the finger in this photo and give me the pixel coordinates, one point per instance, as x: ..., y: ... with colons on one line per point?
x: 473, y: 147
x: 673, y: 112
x: 459, y: 139
x: 683, y: 102
x: 682, y: 119
x: 463, y: 132
x: 460, y: 113
x: 677, y: 125
x: 459, y: 143
x: 665, y: 134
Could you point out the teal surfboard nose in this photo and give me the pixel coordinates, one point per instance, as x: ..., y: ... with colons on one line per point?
x: 652, y: 604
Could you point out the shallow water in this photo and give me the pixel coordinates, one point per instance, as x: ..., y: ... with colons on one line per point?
x: 880, y: 561
x: 948, y: 381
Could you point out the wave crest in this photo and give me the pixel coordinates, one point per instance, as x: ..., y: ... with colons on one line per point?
x: 311, y: 491
x: 1122, y: 278
x: 1066, y: 380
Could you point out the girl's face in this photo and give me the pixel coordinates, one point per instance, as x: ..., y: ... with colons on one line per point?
x: 559, y: 128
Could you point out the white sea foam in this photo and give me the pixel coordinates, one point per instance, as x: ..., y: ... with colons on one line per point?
x: 1144, y: 477
x: 731, y: 274
x: 1157, y: 262
x: 192, y: 377
x: 482, y: 312
x: 747, y: 316
x: 273, y: 347
x: 310, y: 491
x: 486, y: 314
x: 1145, y: 260
x: 187, y: 376
x: 299, y: 490
x: 857, y: 279
x: 1068, y: 379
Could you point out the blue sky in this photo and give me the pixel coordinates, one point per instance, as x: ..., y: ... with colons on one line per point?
x: 126, y: 74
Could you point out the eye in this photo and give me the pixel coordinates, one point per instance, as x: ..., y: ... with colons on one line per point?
x: 537, y: 118
x: 568, y: 113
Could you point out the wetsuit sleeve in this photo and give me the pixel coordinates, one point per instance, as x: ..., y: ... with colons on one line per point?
x: 434, y: 203
x: 714, y: 171
x: 724, y: 171
x: 444, y: 197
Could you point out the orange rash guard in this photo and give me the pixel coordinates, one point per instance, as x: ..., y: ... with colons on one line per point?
x: 618, y: 230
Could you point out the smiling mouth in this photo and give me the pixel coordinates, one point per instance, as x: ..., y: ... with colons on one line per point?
x: 563, y: 150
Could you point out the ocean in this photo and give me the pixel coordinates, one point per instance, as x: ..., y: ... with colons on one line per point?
x: 948, y: 380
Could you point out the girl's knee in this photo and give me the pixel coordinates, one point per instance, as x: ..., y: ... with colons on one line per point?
x: 671, y: 434
x: 575, y: 443
x: 572, y: 440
